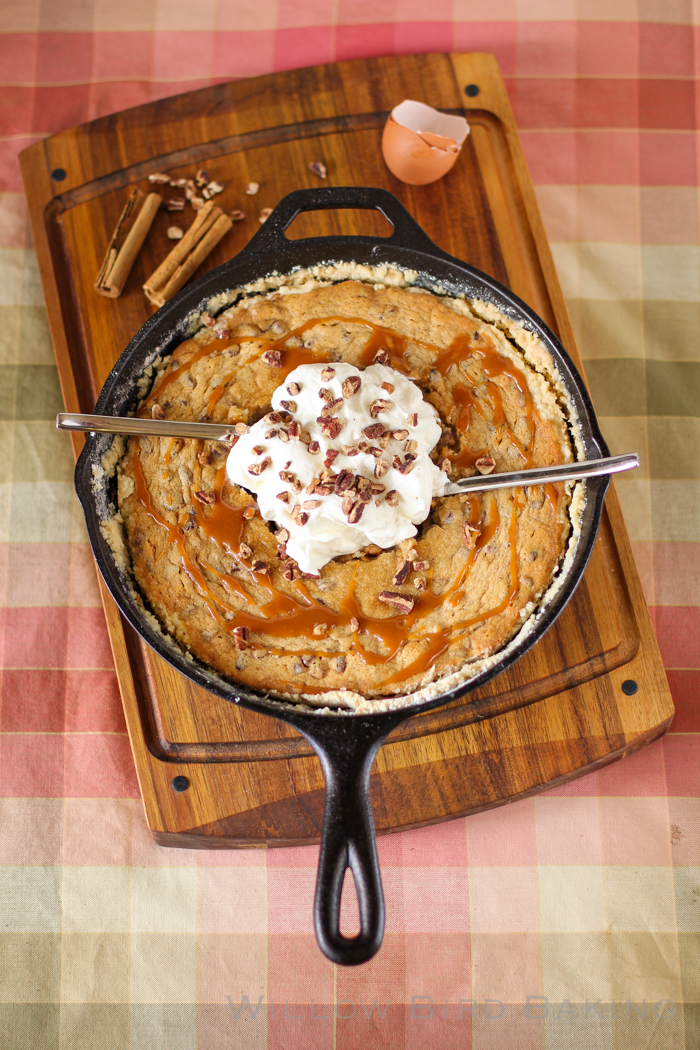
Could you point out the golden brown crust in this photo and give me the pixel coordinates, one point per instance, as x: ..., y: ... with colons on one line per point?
x: 461, y: 567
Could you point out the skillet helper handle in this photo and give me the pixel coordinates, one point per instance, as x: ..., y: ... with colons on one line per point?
x: 407, y: 233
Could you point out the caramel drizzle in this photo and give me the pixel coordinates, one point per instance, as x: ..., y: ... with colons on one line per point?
x: 283, y: 616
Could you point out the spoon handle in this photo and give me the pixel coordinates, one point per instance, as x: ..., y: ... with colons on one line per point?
x: 589, y: 468
x: 219, y: 432
x: 132, y: 425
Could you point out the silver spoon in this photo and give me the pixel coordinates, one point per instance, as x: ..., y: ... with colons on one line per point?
x: 589, y: 468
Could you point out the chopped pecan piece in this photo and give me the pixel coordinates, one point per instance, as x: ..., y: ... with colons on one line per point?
x: 410, y: 446
x: 331, y: 454
x: 204, y: 458
x: 327, y: 373
x: 271, y: 433
x: 273, y: 417
x: 324, y: 489
x: 356, y: 512
x: 252, y: 188
x: 283, y: 497
x: 206, y: 318
x: 399, y: 601
x: 347, y: 504
x: 330, y: 428
x: 291, y: 406
x: 389, y: 387
x: 261, y: 566
x: 392, y: 498
x: 470, y: 535
x: 206, y: 497
x: 400, y: 435
x: 364, y: 489
x: 382, y: 356
x: 485, y: 465
x: 175, y: 203
x: 293, y: 389
x: 412, y: 419
x: 420, y: 583
x: 351, y: 385
x: 445, y: 465
x: 294, y: 430
x: 211, y: 189
x: 283, y: 435
x: 241, y: 428
x: 421, y: 566
x: 385, y: 439
x: 344, y: 481
x: 202, y: 177
x: 354, y: 624
x: 157, y: 412
x: 351, y: 450
x: 329, y: 408
x: 273, y: 358
x: 325, y: 394
x: 311, y: 504
x: 258, y: 468
x: 340, y: 664
x: 374, y: 430
x: 402, y: 573
x: 380, y: 405
x: 240, y: 637
x: 282, y: 535
x: 380, y: 468
x: 258, y: 450
x: 245, y: 551
x: 318, y: 168
x: 376, y: 489
x: 314, y: 448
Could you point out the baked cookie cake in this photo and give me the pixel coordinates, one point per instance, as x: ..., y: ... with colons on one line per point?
x: 318, y: 556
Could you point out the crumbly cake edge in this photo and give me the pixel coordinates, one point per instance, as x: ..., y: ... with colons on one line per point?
x: 300, y: 281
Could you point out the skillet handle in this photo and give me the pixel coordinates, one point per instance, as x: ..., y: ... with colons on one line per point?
x: 347, y: 840
x: 270, y: 237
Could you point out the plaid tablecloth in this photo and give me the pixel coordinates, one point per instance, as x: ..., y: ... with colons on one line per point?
x: 568, y: 920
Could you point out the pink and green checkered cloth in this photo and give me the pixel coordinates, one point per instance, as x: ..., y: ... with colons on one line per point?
x: 571, y: 920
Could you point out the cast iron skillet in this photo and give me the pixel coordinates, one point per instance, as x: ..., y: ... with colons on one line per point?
x: 346, y: 744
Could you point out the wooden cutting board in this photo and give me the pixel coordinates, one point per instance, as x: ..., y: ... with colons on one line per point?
x: 251, y: 779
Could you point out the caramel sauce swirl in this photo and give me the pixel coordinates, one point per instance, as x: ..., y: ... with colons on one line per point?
x: 280, y: 616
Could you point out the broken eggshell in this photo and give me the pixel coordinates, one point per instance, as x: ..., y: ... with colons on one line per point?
x: 420, y: 144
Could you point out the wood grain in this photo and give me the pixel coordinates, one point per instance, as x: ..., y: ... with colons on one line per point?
x: 560, y: 711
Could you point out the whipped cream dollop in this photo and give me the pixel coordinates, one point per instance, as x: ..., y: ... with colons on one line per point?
x: 342, y: 460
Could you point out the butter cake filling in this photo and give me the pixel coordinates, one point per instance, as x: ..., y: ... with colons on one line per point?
x: 351, y: 402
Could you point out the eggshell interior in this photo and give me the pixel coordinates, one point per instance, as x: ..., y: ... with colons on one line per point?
x: 418, y: 117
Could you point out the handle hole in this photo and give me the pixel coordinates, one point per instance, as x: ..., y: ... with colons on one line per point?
x: 349, y: 924
x: 346, y: 222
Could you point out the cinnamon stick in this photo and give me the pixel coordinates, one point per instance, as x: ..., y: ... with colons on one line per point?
x: 176, y: 269
x: 130, y: 233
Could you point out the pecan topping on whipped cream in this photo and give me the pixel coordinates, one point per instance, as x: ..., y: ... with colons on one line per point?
x: 344, y: 517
